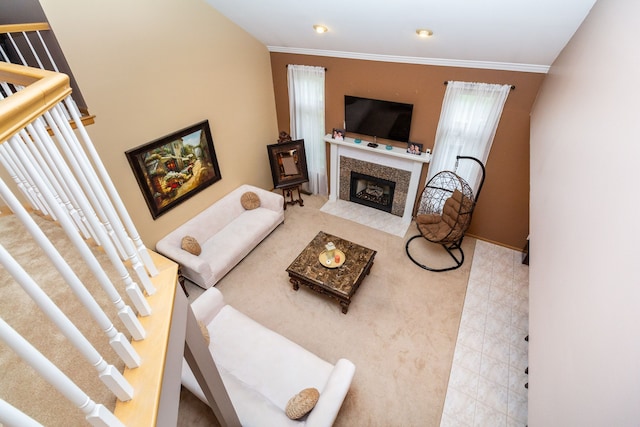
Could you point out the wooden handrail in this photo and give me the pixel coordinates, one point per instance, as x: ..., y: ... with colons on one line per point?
x: 18, y: 28
x: 43, y: 89
x: 85, y: 117
x: 147, y: 380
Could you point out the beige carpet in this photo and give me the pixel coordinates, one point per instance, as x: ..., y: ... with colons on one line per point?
x: 400, y: 330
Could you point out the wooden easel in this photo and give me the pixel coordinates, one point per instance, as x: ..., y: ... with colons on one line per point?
x: 289, y: 192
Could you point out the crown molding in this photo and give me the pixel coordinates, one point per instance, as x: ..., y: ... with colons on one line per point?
x: 505, y: 66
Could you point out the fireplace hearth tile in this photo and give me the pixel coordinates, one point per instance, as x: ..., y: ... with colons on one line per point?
x: 364, y: 215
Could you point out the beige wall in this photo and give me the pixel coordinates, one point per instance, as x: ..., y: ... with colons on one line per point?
x: 148, y: 68
x: 584, y: 292
x: 502, y: 215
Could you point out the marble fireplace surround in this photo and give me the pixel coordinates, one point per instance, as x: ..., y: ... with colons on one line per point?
x: 394, y: 165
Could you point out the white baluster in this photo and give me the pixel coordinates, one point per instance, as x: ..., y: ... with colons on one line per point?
x: 124, y: 311
x: 118, y: 342
x: 42, y: 67
x: 17, y: 172
x: 95, y: 414
x: 13, y: 165
x: 55, y: 177
x: 11, y: 416
x: 12, y: 173
x: 65, y: 137
x: 47, y: 146
x: 17, y: 49
x: 91, y: 185
x: 111, y: 189
x: 33, y: 168
x: 110, y: 376
x: 5, y: 58
x: 132, y: 289
x: 46, y: 49
x: 41, y: 203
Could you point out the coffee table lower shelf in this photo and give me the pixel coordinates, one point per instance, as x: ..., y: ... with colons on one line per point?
x: 342, y: 299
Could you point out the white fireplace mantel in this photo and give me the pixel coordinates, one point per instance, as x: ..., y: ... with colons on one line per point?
x: 395, y: 158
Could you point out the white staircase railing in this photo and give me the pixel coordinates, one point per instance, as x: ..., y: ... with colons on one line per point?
x: 51, y: 161
x: 25, y: 93
x: 96, y: 414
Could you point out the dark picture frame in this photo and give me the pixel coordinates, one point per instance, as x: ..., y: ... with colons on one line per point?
x: 414, y: 148
x: 171, y: 169
x: 288, y: 163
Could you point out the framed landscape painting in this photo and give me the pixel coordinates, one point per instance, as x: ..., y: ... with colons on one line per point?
x: 171, y: 169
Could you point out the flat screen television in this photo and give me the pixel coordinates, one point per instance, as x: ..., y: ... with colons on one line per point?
x: 374, y: 117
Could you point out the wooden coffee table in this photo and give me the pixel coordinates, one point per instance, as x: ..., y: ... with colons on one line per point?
x: 340, y: 283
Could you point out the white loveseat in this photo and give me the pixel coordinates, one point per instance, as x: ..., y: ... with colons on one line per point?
x: 261, y: 370
x: 226, y: 233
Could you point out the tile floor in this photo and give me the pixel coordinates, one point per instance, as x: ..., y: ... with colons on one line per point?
x: 487, y: 380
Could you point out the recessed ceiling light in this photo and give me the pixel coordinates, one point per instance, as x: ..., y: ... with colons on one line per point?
x: 320, y: 29
x: 424, y: 33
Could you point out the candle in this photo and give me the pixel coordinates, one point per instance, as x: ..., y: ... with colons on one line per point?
x: 331, y: 248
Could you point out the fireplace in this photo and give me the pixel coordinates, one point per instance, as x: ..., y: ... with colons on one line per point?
x: 372, y: 191
x: 394, y: 165
x: 381, y: 176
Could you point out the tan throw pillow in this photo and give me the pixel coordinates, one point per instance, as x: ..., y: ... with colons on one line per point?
x: 191, y: 245
x: 205, y: 331
x: 302, y: 403
x: 250, y: 200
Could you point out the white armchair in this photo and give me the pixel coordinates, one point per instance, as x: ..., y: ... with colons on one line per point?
x: 262, y: 370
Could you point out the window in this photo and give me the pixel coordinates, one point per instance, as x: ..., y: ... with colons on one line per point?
x: 468, y: 122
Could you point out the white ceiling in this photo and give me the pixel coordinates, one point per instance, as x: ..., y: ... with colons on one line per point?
x: 520, y: 35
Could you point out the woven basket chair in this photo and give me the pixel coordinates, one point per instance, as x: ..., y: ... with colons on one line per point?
x: 444, y: 214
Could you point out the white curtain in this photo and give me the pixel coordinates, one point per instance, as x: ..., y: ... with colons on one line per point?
x: 306, y: 111
x: 468, y: 122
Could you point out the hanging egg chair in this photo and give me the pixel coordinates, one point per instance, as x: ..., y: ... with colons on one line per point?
x: 444, y: 213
